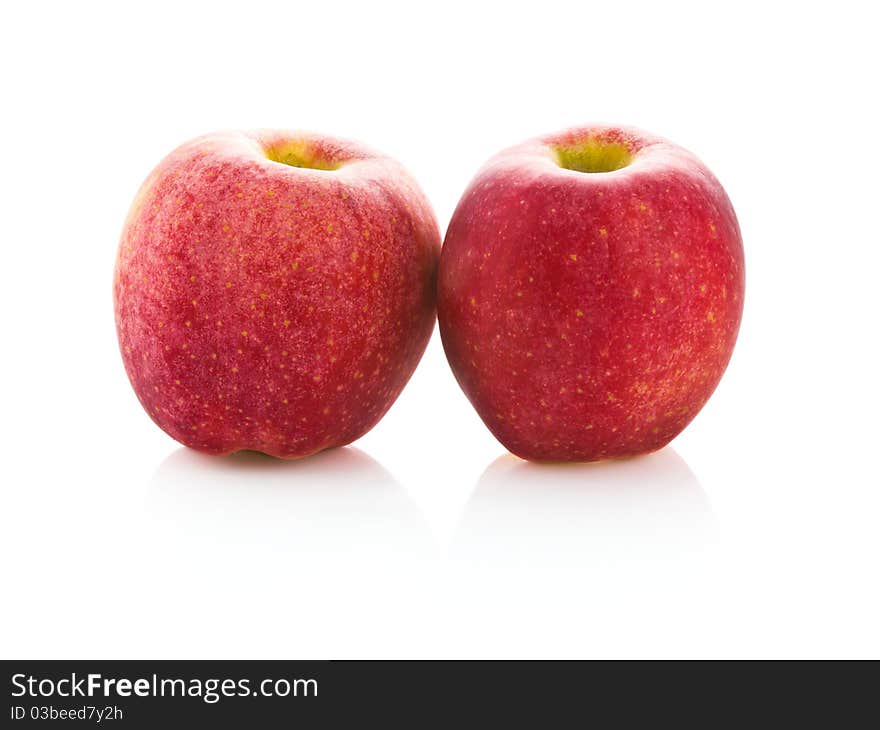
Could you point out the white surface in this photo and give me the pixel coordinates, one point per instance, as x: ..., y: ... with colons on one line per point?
x: 756, y: 536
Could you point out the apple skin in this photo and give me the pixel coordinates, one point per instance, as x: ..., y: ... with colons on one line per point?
x: 274, y: 291
x: 590, y: 315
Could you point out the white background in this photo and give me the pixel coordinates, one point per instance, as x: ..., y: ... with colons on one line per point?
x: 755, y: 534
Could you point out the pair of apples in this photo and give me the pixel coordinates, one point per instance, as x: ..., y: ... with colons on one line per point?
x: 275, y: 291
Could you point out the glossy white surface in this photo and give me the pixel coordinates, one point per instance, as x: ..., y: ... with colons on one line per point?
x: 754, y: 534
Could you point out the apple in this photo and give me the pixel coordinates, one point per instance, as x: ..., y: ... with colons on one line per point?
x: 274, y: 291
x: 590, y: 293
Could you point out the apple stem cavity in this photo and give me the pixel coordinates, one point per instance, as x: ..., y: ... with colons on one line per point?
x: 593, y: 155
x: 298, y: 153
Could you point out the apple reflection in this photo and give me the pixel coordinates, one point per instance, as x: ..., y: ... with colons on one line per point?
x: 644, y: 509
x: 337, y: 505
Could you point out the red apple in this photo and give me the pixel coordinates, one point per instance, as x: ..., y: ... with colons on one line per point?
x: 590, y: 293
x: 274, y: 291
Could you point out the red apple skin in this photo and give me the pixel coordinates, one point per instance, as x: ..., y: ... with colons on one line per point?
x: 269, y: 307
x: 590, y: 315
